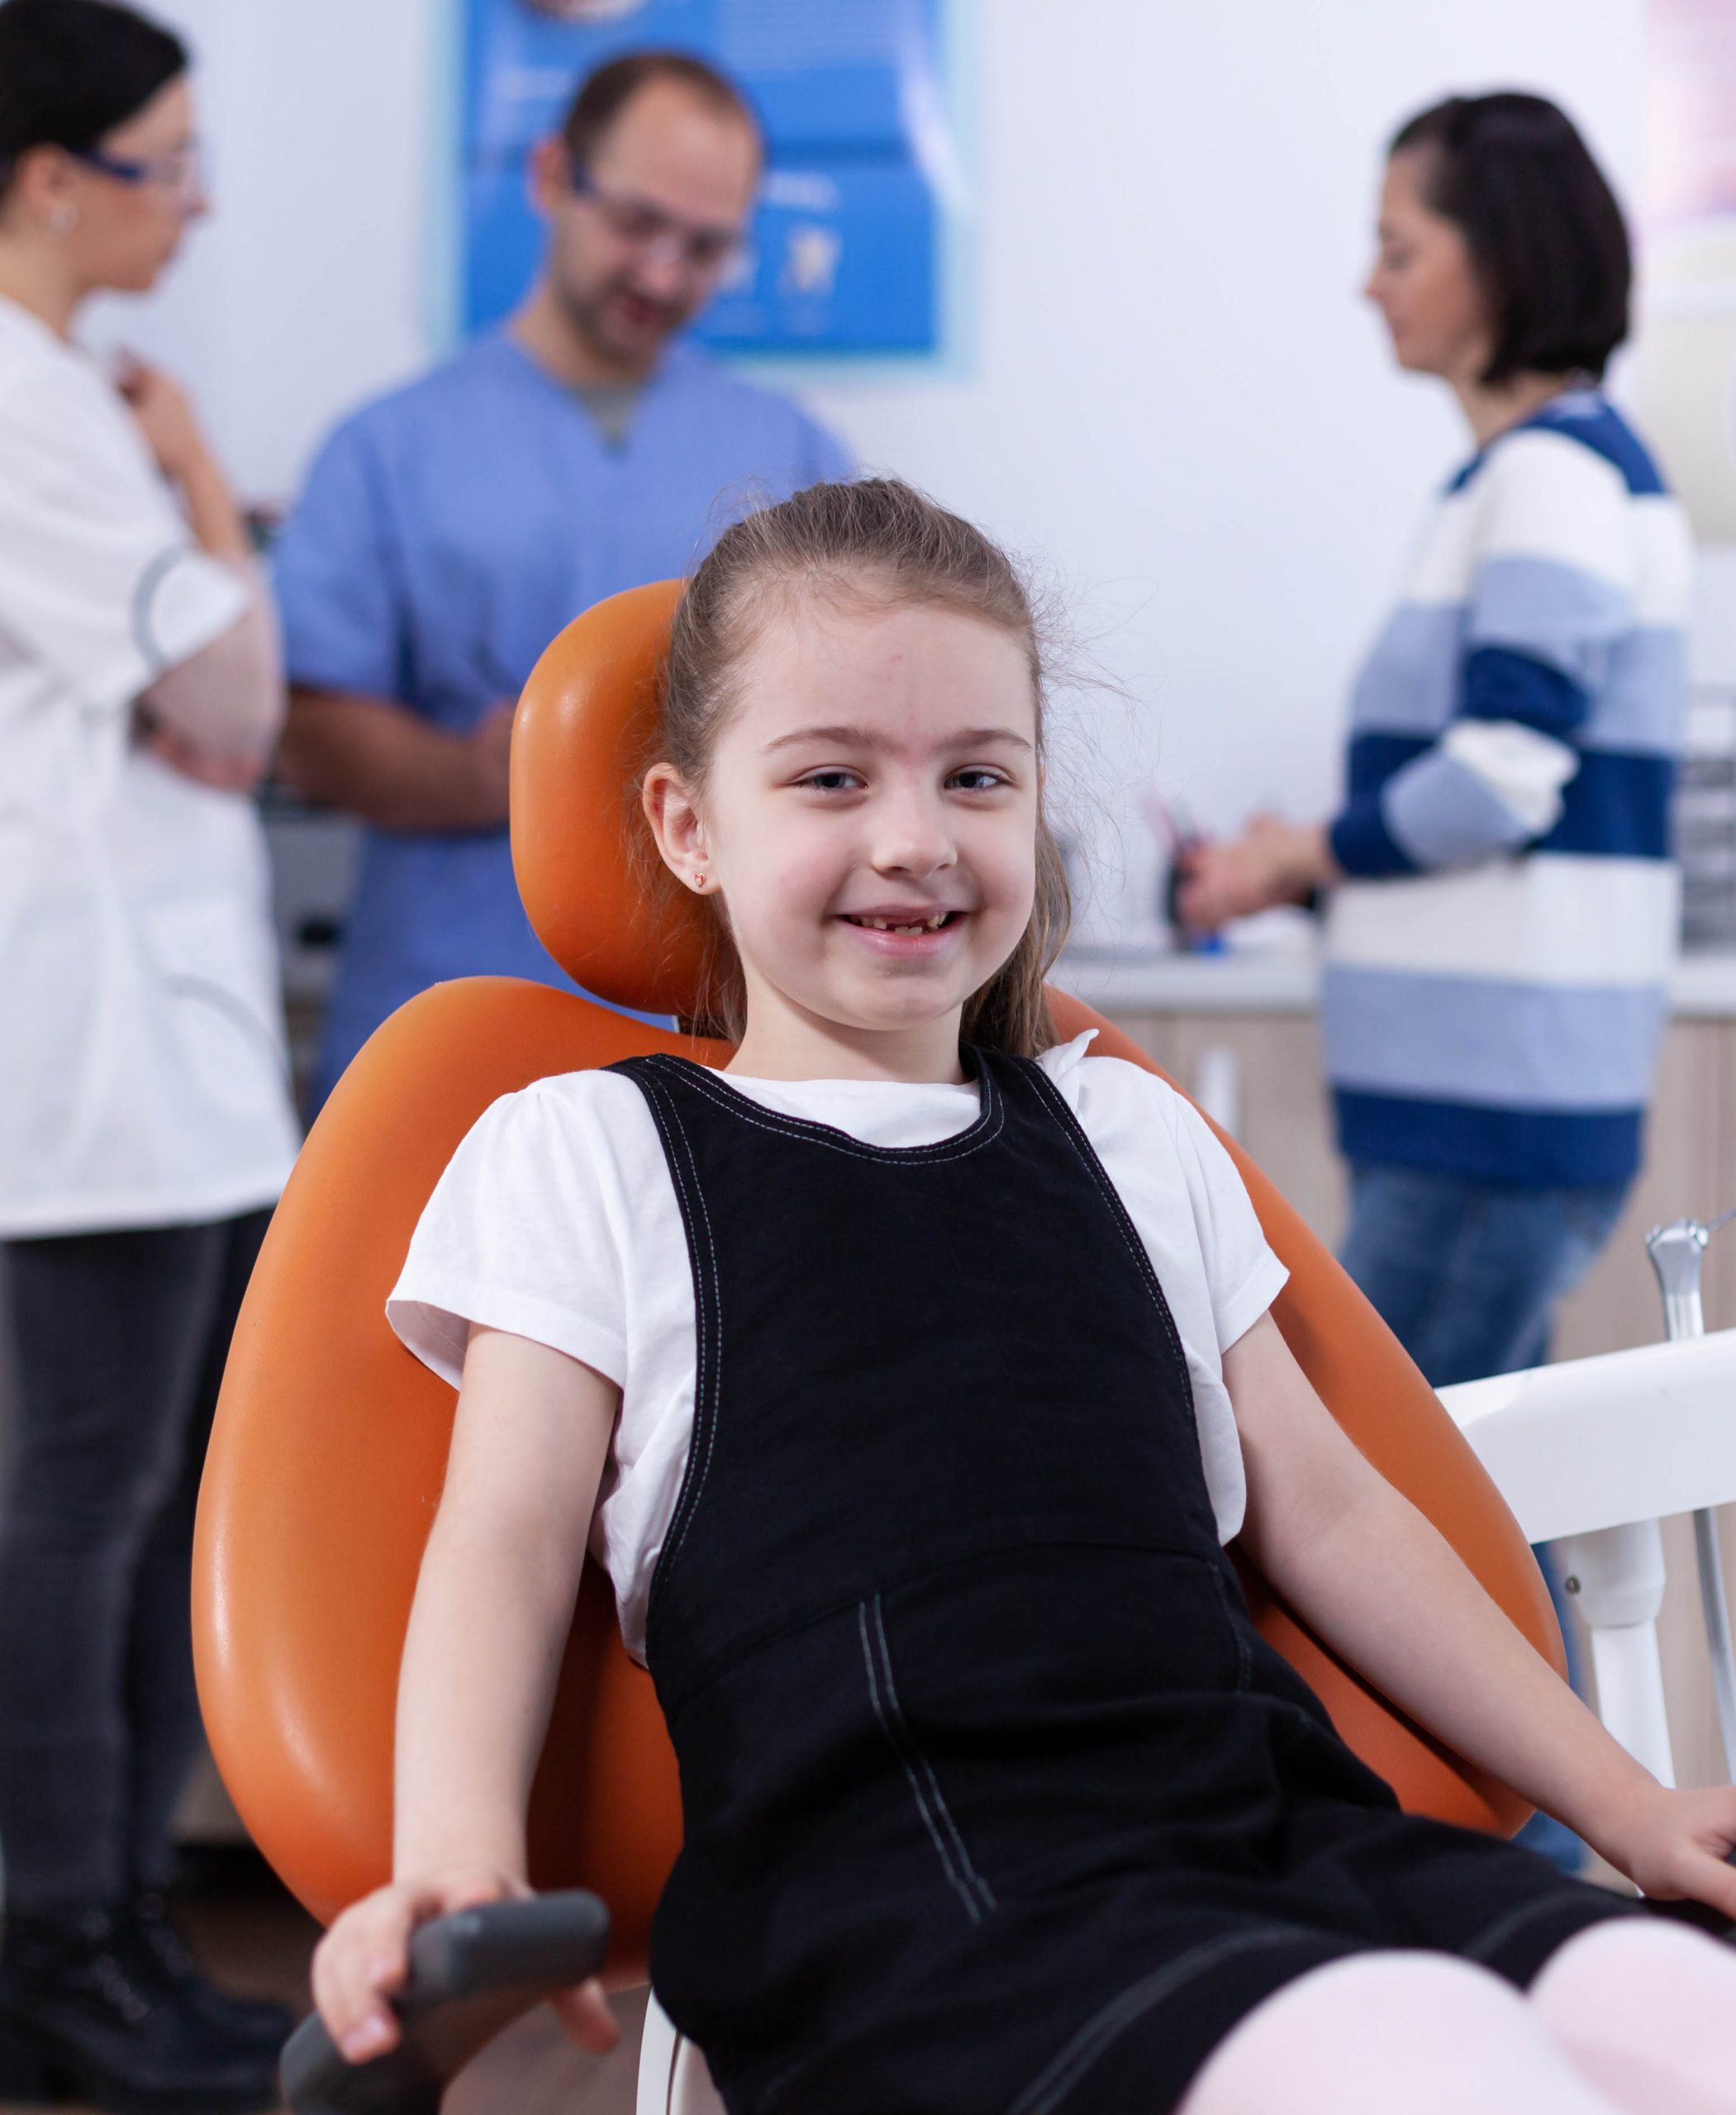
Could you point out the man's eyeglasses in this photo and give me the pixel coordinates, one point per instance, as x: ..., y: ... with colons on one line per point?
x: 181, y: 172
x: 640, y: 225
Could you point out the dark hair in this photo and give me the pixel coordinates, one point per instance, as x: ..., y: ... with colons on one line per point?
x: 603, y: 96
x: 72, y: 70
x: 1545, y: 231
x: 877, y: 542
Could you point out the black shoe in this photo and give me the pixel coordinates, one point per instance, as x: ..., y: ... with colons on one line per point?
x: 153, y: 1955
x: 75, y: 2024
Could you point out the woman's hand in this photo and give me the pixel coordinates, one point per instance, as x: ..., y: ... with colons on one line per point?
x: 1274, y: 862
x: 1675, y: 1845
x: 165, y: 417
x: 364, y: 1959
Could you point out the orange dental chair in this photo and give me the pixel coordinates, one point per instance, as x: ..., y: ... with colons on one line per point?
x: 331, y: 1440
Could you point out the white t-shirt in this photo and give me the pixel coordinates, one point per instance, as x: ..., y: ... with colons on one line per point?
x: 141, y: 1043
x: 556, y: 1219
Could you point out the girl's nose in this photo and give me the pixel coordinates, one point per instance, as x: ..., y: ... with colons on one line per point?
x: 912, y: 836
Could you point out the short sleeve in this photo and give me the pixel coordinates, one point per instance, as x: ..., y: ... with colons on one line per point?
x: 1242, y: 1274
x: 337, y: 584
x: 100, y: 579
x: 524, y: 1233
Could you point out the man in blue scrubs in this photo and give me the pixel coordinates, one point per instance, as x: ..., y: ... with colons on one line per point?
x: 449, y: 531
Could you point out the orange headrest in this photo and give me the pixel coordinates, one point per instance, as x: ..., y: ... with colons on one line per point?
x: 585, y: 720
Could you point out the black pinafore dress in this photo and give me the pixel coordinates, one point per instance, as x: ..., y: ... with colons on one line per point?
x: 995, y: 1802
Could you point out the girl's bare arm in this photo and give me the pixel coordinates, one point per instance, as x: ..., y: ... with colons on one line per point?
x: 487, y: 1630
x: 1378, y: 1583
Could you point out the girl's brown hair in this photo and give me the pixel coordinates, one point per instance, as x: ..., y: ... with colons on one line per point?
x: 878, y: 542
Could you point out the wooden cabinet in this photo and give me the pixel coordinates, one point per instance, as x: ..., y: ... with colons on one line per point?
x: 1284, y: 1119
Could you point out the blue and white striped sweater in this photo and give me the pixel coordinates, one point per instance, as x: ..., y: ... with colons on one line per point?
x: 1497, y: 958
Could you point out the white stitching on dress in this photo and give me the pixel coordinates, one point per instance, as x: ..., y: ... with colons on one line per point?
x: 983, y: 1132
x: 1072, y: 1132
x: 1515, y: 1920
x: 973, y: 1907
x: 966, y: 1865
x: 707, y: 1317
x: 1053, y: 2083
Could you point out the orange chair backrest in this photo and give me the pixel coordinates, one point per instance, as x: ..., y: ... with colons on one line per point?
x: 331, y: 1442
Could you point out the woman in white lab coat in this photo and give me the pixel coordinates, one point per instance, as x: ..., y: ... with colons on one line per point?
x: 145, y: 1123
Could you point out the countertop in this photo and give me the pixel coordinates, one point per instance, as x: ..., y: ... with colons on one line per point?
x: 1274, y: 980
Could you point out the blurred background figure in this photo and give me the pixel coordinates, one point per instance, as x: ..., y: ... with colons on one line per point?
x: 1503, y: 908
x: 449, y: 531
x: 146, y: 1128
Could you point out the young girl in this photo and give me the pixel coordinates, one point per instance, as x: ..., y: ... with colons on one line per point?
x: 909, y: 1377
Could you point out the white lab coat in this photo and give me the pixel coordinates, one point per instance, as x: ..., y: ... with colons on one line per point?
x: 143, y: 1079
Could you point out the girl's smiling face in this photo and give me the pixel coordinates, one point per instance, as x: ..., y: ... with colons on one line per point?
x: 869, y: 817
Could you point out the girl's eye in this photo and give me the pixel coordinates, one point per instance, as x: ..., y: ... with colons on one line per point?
x: 836, y: 780
x: 978, y: 778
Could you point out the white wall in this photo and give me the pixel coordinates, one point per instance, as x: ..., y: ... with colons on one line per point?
x: 1169, y: 389
x: 316, y: 281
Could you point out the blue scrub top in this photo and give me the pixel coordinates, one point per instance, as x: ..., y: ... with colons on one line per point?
x: 446, y: 534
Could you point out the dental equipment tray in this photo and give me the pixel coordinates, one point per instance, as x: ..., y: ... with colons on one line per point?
x: 471, y: 1974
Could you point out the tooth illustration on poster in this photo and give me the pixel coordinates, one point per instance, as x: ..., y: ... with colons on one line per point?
x: 810, y: 261
x: 846, y: 248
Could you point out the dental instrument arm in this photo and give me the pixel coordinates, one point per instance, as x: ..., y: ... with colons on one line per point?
x: 1383, y: 1588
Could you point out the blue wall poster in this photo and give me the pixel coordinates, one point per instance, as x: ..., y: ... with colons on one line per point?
x: 845, y: 252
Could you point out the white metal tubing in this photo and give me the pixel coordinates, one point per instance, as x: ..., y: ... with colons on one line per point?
x: 1677, y: 1253
x: 1615, y: 1576
x: 656, y: 2060
x: 691, y: 2090
x: 1715, y: 1606
x: 672, y: 2077
x: 1633, y: 1435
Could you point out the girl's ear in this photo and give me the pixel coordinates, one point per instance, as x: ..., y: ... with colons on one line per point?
x: 672, y: 812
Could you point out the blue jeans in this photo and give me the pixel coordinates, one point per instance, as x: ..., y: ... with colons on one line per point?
x: 1468, y: 1276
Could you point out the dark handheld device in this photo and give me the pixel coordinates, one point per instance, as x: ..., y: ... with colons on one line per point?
x: 471, y: 1974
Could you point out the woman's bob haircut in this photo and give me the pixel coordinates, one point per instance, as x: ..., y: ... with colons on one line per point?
x: 72, y: 70
x: 1545, y: 234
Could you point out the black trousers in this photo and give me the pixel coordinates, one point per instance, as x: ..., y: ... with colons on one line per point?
x: 121, y: 1340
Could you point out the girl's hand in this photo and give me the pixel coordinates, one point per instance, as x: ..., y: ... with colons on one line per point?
x: 1677, y: 1845
x: 364, y: 1959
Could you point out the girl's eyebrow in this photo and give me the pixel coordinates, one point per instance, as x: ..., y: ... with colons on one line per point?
x: 865, y: 738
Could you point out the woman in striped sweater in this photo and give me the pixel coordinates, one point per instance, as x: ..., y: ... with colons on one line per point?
x: 1502, y: 906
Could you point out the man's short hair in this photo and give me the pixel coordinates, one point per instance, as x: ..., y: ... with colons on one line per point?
x: 1541, y: 224
x: 603, y: 96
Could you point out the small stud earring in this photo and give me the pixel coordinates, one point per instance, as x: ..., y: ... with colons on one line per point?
x: 699, y: 881
x: 64, y: 219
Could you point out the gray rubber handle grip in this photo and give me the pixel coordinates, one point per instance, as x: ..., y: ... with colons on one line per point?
x: 471, y: 1974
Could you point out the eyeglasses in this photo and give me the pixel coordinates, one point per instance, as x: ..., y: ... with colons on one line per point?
x: 640, y: 225
x: 182, y: 171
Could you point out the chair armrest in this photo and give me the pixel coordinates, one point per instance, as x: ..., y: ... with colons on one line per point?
x: 1597, y: 1443
x: 471, y: 1974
